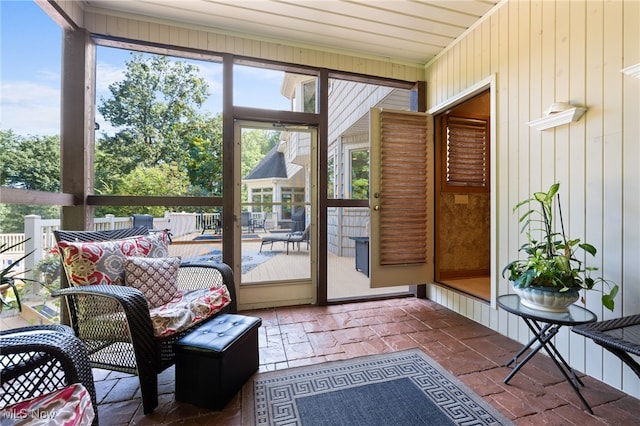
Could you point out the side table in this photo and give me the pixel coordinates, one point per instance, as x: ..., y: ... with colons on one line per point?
x: 544, y: 326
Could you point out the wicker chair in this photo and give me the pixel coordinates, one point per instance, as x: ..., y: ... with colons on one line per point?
x: 130, y: 345
x: 38, y: 360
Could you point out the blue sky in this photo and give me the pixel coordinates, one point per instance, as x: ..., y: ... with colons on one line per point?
x: 30, y: 55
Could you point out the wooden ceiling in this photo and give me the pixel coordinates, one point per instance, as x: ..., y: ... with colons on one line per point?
x: 408, y: 31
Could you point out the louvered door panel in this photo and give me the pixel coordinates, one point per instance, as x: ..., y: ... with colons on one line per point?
x: 403, y: 179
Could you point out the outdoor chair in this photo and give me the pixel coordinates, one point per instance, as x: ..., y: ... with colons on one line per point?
x: 46, y: 374
x: 246, y: 221
x: 130, y: 316
x: 258, y: 220
x: 289, y: 238
x: 209, y: 221
x: 144, y: 220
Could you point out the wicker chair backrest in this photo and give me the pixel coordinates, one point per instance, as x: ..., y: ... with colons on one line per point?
x: 113, y: 234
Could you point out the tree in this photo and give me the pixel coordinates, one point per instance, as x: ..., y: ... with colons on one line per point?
x: 360, y: 175
x: 256, y: 144
x: 204, y: 163
x: 154, y: 106
x: 28, y: 163
x: 163, y: 179
x: 162, y: 135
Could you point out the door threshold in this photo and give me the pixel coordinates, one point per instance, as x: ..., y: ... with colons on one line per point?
x: 476, y: 287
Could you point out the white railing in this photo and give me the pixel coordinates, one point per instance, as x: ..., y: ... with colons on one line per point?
x: 39, y: 237
x: 10, y: 256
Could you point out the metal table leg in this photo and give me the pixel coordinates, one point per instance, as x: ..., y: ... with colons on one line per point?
x: 543, y: 336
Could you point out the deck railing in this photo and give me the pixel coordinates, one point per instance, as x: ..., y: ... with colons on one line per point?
x: 38, y: 235
x: 343, y: 223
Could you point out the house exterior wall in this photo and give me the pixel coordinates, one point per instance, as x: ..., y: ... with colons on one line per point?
x: 542, y: 52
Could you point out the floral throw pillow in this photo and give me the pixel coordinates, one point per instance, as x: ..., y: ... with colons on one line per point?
x: 155, y: 244
x: 69, y: 406
x: 88, y: 263
x: 155, y: 277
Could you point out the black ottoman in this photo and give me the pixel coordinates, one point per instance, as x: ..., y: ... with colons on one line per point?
x: 216, y: 359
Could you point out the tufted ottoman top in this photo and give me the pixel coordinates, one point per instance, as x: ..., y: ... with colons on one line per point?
x: 217, y: 335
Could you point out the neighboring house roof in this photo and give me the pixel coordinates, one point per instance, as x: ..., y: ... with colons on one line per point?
x: 272, y: 165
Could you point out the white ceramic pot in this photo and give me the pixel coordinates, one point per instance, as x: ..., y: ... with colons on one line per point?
x: 549, y: 299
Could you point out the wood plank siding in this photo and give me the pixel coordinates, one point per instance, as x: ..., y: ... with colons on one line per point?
x: 541, y: 52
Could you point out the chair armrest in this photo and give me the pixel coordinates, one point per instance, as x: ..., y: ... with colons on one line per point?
x: 131, y: 301
x: 192, y: 276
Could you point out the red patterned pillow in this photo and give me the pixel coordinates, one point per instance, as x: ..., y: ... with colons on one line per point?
x: 155, y: 277
x: 102, y: 262
x: 69, y: 406
x: 87, y: 263
x: 155, y: 244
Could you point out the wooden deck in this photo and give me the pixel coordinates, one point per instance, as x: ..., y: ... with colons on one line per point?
x: 344, y: 281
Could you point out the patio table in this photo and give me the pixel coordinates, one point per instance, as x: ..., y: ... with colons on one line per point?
x: 544, y: 326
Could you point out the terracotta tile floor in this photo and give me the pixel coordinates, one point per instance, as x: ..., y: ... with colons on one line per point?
x: 298, y: 336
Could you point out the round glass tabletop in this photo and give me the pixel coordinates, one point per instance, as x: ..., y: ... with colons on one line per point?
x: 574, y: 316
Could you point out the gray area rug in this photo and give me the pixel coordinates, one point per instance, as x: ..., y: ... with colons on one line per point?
x: 401, y: 388
x: 250, y: 259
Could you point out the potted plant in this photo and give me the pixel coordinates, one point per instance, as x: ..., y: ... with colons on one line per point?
x: 551, y: 274
x: 48, y: 269
x: 9, y: 292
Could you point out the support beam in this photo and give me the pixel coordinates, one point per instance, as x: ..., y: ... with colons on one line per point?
x: 77, y: 134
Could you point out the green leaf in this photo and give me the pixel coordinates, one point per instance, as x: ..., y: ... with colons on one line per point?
x: 521, y: 203
x: 540, y: 196
x: 607, y: 301
x: 588, y: 248
x: 552, y: 192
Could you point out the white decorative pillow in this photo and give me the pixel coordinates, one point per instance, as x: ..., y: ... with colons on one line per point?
x: 155, y: 277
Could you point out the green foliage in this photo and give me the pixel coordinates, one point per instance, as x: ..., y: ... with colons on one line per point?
x: 156, y: 107
x: 115, y: 157
x: 9, y: 290
x: 153, y: 103
x: 204, y: 162
x: 161, y: 180
x: 256, y: 143
x: 30, y: 163
x: 551, y: 259
x: 360, y: 175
